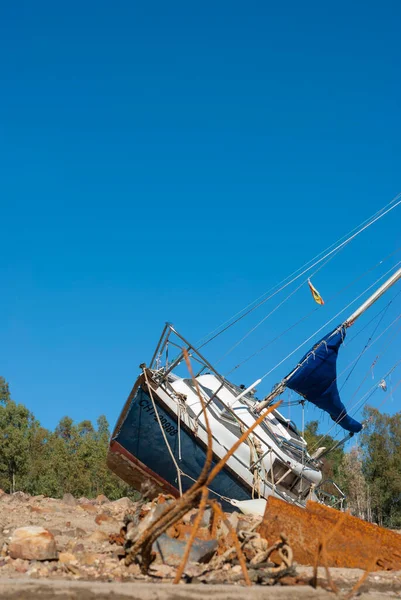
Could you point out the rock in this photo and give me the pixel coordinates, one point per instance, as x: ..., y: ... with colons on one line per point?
x: 74, y: 533
x: 121, y: 506
x: 90, y: 558
x: 83, y: 501
x: 119, y: 553
x: 104, y: 518
x: 78, y: 548
x: 37, y: 509
x: 171, y: 551
x: 69, y: 499
x: 32, y: 543
x: 88, y: 508
x: 66, y: 557
x: 134, y: 530
x: 102, y: 499
x: 233, y: 520
x: 248, y: 522
x: 98, y: 536
x: 80, y: 533
x: 187, y: 518
x: 21, y: 566
x: 20, y: 497
x: 163, y: 571
x: 134, y: 569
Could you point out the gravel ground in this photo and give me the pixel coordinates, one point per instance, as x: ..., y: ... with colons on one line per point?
x: 89, y: 566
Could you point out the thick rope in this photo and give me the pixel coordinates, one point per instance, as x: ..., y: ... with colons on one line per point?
x: 164, y: 433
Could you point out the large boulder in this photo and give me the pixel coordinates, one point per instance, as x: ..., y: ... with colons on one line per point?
x: 32, y: 543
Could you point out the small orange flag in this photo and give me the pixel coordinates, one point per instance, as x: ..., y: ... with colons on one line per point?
x: 316, y: 296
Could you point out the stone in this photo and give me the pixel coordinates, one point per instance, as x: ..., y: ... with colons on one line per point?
x: 38, y: 510
x: 98, y: 536
x: 121, y: 505
x: 189, y: 516
x: 74, y: 533
x: 66, y: 557
x: 248, y: 522
x: 171, y: 551
x: 134, y: 569
x: 104, y: 518
x: 163, y: 571
x: 88, y: 507
x: 233, y: 520
x: 206, y: 517
x: 21, y: 566
x: 32, y: 543
x: 102, y: 499
x: 134, y: 530
x: 119, y: 553
x: 20, y: 497
x: 90, y: 558
x: 80, y: 533
x: 69, y: 499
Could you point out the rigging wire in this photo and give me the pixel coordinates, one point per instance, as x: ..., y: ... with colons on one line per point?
x: 365, y: 347
x: 396, y: 201
x: 373, y: 389
x: 273, y: 311
x: 327, y: 323
x: 307, y: 315
x: 397, y: 197
x: 364, y: 398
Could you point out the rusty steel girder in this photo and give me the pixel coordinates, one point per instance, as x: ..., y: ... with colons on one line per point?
x: 347, y: 540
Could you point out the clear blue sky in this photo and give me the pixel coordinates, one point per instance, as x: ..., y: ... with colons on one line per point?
x: 172, y: 161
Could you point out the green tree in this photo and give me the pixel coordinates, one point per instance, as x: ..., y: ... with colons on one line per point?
x: 354, y: 484
x: 4, y: 391
x: 332, y: 460
x: 16, y: 423
x: 381, y: 447
x: 70, y: 459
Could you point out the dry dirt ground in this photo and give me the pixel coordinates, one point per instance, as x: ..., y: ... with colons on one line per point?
x: 89, y: 566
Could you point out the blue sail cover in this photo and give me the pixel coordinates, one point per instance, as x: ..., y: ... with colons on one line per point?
x: 316, y: 379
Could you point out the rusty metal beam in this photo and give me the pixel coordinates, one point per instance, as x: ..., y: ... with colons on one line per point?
x: 354, y: 544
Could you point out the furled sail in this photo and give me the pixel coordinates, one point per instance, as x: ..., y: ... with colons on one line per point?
x: 316, y: 379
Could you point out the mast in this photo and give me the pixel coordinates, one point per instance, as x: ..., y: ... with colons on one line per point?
x: 372, y: 299
x: 280, y: 387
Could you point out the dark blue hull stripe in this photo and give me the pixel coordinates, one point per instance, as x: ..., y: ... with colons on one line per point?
x: 140, y: 435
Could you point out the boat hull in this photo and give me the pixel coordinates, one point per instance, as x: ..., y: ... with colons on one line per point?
x: 138, y: 453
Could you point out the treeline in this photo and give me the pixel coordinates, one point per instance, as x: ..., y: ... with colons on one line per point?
x: 72, y: 458
x: 370, y: 473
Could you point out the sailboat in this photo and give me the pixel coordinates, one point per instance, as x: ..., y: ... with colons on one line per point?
x: 161, y: 434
